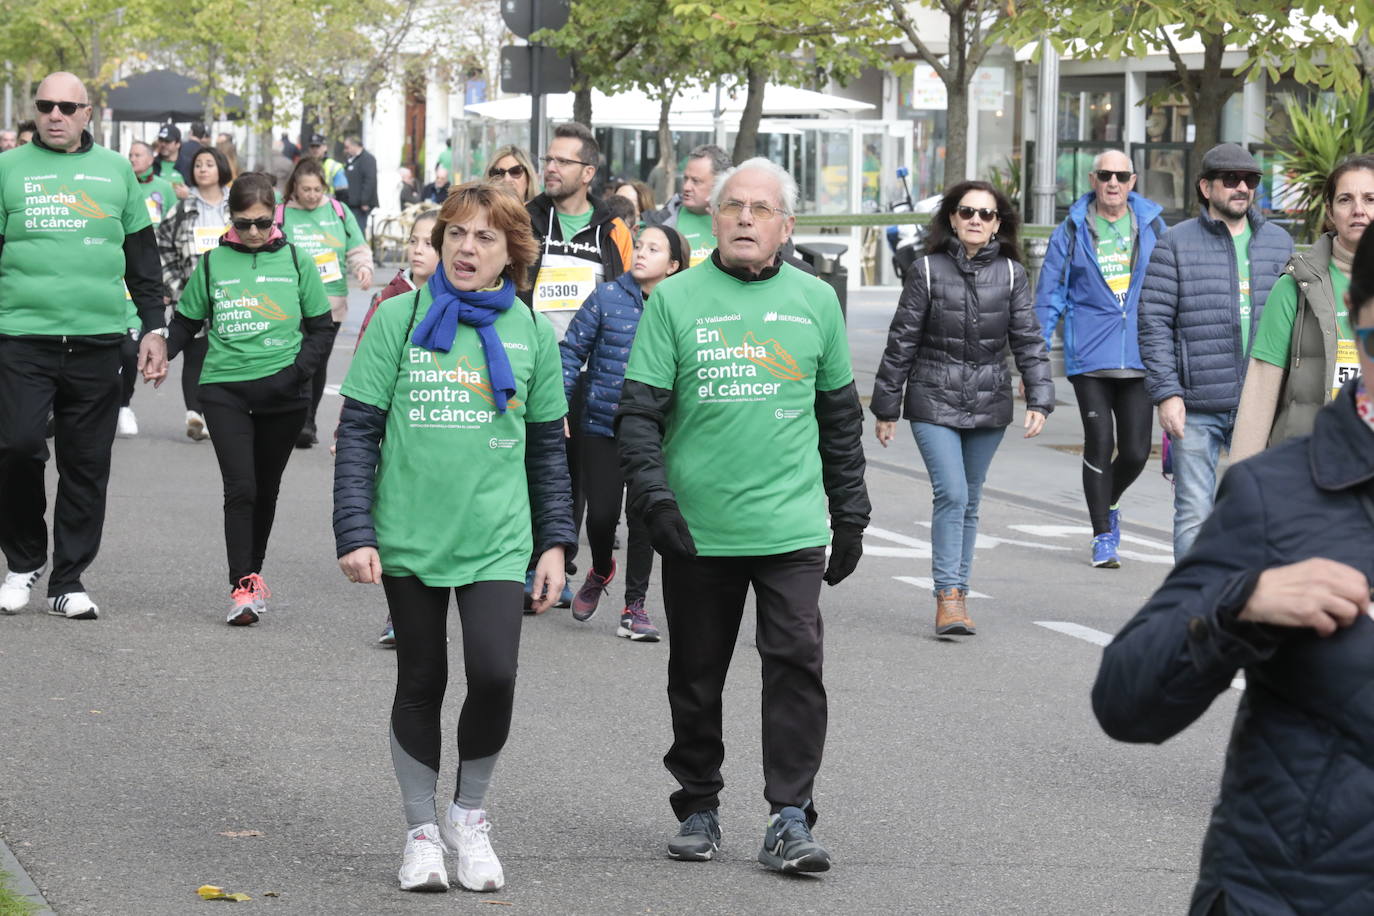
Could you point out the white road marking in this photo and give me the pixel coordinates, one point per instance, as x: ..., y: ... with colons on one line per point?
x: 1061, y: 531
x: 331, y: 389
x: 1098, y: 638
x: 896, y: 538
x: 990, y: 540
x: 912, y: 553
x: 929, y: 584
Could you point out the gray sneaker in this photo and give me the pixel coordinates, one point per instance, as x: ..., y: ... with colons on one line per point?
x: 789, y: 847
x: 699, y: 837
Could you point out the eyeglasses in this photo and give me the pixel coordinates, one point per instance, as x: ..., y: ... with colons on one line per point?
x: 984, y: 214
x: 762, y: 212
x: 243, y: 225
x: 1251, y: 180
x: 45, y: 106
x: 515, y: 171
x: 1366, y: 337
x: 559, y: 161
x: 1105, y: 175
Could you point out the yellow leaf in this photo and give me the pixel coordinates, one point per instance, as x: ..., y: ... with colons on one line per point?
x: 209, y: 891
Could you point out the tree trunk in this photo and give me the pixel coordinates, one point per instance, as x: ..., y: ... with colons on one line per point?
x: 747, y: 140
x: 667, y: 158
x: 1364, y: 50
x: 582, y: 106
x: 1212, y: 91
x: 956, y: 134
x: 267, y: 111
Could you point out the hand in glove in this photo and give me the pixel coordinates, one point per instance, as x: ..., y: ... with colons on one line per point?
x: 668, y: 530
x: 846, y: 547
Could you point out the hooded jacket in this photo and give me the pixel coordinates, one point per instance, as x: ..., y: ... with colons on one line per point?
x: 608, y: 236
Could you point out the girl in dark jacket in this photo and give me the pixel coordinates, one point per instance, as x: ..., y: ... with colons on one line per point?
x: 959, y: 310
x: 600, y: 337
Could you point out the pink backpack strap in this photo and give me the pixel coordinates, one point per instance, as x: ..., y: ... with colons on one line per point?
x: 279, y: 216
x: 338, y: 207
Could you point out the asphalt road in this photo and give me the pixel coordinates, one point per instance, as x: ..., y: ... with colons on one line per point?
x: 961, y: 776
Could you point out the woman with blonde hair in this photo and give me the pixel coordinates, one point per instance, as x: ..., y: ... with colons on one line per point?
x: 512, y: 164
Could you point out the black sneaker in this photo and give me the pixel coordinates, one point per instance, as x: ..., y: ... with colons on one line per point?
x: 698, y: 839
x: 789, y: 847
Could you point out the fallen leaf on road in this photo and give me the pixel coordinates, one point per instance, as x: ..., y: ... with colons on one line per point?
x: 271, y: 894
x: 210, y: 892
x: 498, y: 903
x: 237, y: 833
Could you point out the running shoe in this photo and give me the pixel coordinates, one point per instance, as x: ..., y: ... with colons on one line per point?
x: 788, y: 845
x: 244, y: 608
x: 422, y: 863
x: 698, y: 839
x: 195, y: 426
x: 17, y: 588
x: 1104, y: 552
x: 635, y: 624
x: 478, y: 867
x: 73, y: 606
x: 388, y: 634
x: 128, y: 423
x: 589, y: 595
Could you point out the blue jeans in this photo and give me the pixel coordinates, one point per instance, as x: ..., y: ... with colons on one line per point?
x: 1195, y: 472
x: 957, y: 461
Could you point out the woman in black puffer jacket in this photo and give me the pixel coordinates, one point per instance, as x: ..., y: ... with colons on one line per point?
x: 960, y: 310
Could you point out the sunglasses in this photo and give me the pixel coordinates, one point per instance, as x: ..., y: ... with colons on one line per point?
x: 1251, y: 180
x: 243, y: 225
x: 1106, y: 175
x: 515, y: 171
x: 983, y: 214
x: 45, y: 106
x: 1366, y: 338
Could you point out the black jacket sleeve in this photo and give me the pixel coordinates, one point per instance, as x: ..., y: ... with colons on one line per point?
x: 840, y: 417
x: 903, y: 340
x: 143, y: 276
x: 357, y: 454
x: 179, y: 333
x: 550, y: 486
x: 319, y: 332
x: 639, y: 424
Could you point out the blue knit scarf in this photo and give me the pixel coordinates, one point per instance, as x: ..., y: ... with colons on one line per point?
x: 479, y: 310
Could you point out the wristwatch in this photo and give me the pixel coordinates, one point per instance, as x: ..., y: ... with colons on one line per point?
x: 160, y: 332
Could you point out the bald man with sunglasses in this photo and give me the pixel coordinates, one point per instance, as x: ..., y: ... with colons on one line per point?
x: 1204, y: 292
x: 75, y: 235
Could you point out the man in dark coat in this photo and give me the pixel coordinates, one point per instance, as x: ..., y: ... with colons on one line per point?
x: 361, y: 168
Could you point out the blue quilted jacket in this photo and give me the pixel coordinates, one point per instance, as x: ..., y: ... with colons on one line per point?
x: 600, y: 337
x: 1292, y: 830
x: 1189, y: 321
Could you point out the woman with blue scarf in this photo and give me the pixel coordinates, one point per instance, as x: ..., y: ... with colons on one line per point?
x: 451, y: 470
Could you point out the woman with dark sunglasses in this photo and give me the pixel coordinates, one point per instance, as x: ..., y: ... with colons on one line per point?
x: 512, y: 165
x: 944, y: 370
x: 268, y: 326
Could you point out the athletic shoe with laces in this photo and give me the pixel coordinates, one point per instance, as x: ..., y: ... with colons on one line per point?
x: 195, y: 426
x: 788, y: 845
x: 17, y: 588
x: 478, y: 868
x: 244, y: 607
x: 260, y: 591
x: 589, y: 595
x: 635, y: 624
x: 698, y: 838
x: 422, y: 863
x: 1104, y: 552
x: 73, y: 606
x: 388, y: 634
x: 128, y: 423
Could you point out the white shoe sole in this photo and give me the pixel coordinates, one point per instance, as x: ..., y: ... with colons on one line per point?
x: 434, y: 882
x: 482, y: 886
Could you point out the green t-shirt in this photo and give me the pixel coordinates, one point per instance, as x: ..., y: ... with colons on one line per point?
x: 696, y: 228
x: 1114, y: 254
x: 1274, y: 336
x: 744, y: 362
x: 64, y: 217
x: 259, y: 299
x: 571, y: 225
x: 1243, y: 273
x: 452, y: 500
x: 161, y: 198
x: 446, y: 163
x: 167, y: 171
x: 324, y: 236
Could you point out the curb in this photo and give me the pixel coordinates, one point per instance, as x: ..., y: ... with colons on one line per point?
x: 22, y: 883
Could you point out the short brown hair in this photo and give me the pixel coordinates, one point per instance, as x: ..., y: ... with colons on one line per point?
x: 506, y: 213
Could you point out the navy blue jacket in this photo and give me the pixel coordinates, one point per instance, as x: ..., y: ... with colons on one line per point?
x: 1189, y: 319
x: 1293, y: 828
x: 600, y: 336
x: 1099, y: 330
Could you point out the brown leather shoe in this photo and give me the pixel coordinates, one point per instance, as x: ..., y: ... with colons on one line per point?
x: 950, y: 617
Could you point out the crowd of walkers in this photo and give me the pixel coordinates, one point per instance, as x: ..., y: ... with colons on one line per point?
x: 549, y: 356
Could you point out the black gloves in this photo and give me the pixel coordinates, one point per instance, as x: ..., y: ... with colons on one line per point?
x: 668, y: 530
x: 846, y: 547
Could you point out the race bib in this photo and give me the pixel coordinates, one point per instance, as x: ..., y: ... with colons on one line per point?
x: 154, y: 211
x: 1347, y: 365
x: 328, y: 266
x: 563, y: 288
x: 207, y: 238
x: 699, y: 255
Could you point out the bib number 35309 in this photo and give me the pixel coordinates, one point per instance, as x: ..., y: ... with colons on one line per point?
x: 561, y: 288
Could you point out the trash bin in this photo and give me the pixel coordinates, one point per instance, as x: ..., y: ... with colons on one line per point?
x: 824, y: 258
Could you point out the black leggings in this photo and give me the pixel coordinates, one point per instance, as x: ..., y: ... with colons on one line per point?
x: 317, y: 386
x: 252, y: 449
x: 192, y: 361
x: 605, y: 491
x: 128, y: 367
x: 1104, y: 479
x: 490, y: 613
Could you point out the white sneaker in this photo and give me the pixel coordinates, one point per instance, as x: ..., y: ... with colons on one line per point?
x: 422, y: 864
x: 16, y: 589
x: 478, y: 867
x: 195, y: 426
x: 128, y: 423
x: 73, y: 606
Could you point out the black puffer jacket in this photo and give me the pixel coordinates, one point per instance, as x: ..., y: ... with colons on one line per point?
x: 1293, y: 829
x: 948, y: 343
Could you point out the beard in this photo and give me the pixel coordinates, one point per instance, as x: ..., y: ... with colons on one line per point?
x: 564, y: 190
x: 1233, y: 207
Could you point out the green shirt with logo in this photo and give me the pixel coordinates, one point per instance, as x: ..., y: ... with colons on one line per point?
x: 254, y: 302
x: 1274, y: 336
x: 160, y: 196
x: 1242, y: 242
x: 744, y: 361
x: 64, y: 217
x: 325, y: 238
x: 452, y: 502
x: 1114, y: 253
x: 696, y: 228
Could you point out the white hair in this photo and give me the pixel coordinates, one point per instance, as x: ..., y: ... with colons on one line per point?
x: 1097, y: 160
x: 787, y: 185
